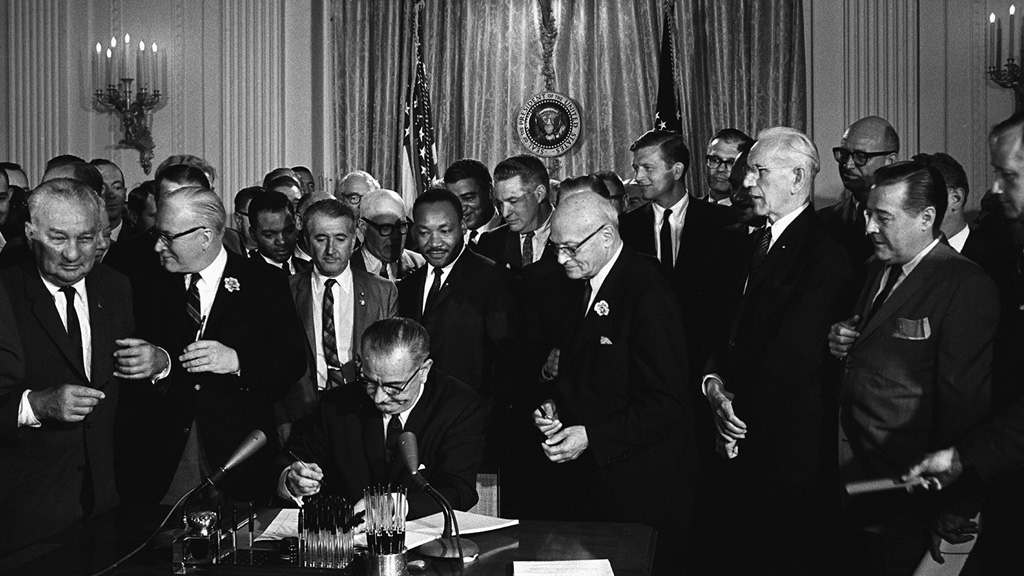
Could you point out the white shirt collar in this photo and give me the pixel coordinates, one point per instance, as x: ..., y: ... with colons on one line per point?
x: 403, y: 416
x: 53, y: 289
x: 344, y: 280
x: 957, y: 241
x: 678, y: 211
x: 116, y: 231
x: 781, y: 224
x: 491, y: 224
x: 598, y: 280
x: 909, y: 266
x: 212, y: 273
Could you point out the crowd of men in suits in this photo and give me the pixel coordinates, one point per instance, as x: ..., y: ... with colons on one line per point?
x: 715, y: 365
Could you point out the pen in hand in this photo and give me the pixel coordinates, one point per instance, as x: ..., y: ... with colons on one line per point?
x: 323, y: 480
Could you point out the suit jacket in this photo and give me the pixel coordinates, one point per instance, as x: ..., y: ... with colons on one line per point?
x: 474, y: 324
x: 502, y: 245
x: 345, y: 436
x: 409, y: 262
x: 621, y: 375
x: 695, y: 277
x: 373, y: 299
x: 298, y: 265
x: 775, y: 356
x: 258, y: 320
x: 45, y: 470
x: 847, y: 225
x: 919, y: 375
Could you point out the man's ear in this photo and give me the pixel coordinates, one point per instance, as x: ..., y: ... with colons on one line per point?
x: 928, y: 217
x: 678, y: 170
x: 890, y: 159
x: 799, y: 175
x: 956, y: 199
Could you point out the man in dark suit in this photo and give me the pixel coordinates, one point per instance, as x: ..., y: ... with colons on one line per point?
x: 471, y: 182
x: 383, y: 228
x: 336, y: 303
x: 521, y: 194
x: 918, y: 373
x: 63, y: 319
x: 274, y: 231
x: 236, y: 341
x: 618, y: 425
x: 867, y: 145
x: 352, y: 436
x: 770, y: 380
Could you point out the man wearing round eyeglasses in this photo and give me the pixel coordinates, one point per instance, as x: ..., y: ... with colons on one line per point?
x: 383, y: 228
x: 351, y: 440
x: 723, y: 149
x: 867, y: 145
x: 353, y: 186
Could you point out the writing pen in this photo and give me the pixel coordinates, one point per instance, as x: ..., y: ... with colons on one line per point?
x: 299, y: 460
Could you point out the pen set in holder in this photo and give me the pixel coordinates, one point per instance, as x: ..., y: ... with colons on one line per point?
x: 207, y: 540
x: 386, y: 509
x: 326, y: 532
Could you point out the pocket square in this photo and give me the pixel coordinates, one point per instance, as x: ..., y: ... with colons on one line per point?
x: 912, y: 329
x: 605, y: 341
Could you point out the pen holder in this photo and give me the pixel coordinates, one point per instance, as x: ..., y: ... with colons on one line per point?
x: 387, y: 564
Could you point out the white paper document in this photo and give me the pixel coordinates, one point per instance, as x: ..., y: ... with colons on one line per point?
x: 600, y: 567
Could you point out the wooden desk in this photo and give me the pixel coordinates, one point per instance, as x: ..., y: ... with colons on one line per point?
x: 96, y: 543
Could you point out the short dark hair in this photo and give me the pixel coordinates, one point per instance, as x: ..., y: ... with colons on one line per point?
x: 184, y: 175
x: 188, y: 160
x: 245, y: 195
x: 385, y: 337
x: 612, y: 180
x: 82, y: 172
x: 733, y: 135
x: 283, y: 180
x: 63, y: 160
x: 529, y: 168
x: 137, y: 197
x: 952, y: 172
x: 298, y: 169
x: 924, y: 184
x: 468, y: 168
x: 103, y: 162
x: 672, y: 146
x: 438, y: 195
x: 268, y: 202
x: 278, y: 174
x: 588, y: 183
x: 329, y: 208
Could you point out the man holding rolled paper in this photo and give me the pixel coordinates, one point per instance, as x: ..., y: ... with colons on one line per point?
x: 918, y: 361
x: 350, y: 441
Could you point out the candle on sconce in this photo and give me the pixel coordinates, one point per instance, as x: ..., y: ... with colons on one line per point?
x: 992, y: 40
x: 97, y: 64
x: 108, y: 70
x: 1009, y: 52
x: 126, y: 61
x: 115, y: 60
x: 140, y: 66
x: 157, y: 70
x: 999, y: 43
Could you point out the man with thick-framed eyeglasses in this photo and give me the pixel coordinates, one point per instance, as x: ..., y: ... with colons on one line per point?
x: 351, y: 439
x: 354, y: 186
x: 383, y: 227
x: 867, y: 145
x: 723, y: 149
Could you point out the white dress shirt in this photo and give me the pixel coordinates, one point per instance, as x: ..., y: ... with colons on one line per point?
x: 290, y: 261
x: 907, y: 269
x: 115, y: 233
x: 675, y: 221
x: 374, y: 264
x: 444, y: 277
x: 599, y: 278
x: 344, y: 318
x: 471, y: 236
x: 957, y: 241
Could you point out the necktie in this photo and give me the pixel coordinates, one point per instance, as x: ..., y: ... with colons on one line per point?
x: 527, y: 248
x: 472, y: 237
x: 391, y: 441
x: 287, y: 269
x: 383, y: 270
x: 665, y: 237
x: 193, y: 306
x: 761, y: 250
x: 74, y: 326
x: 434, y: 289
x: 588, y: 291
x: 895, y: 271
x: 329, y: 338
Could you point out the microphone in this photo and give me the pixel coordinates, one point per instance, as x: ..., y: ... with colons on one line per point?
x: 252, y: 443
x: 446, y: 546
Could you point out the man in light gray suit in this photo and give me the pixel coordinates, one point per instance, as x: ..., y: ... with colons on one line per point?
x: 336, y: 302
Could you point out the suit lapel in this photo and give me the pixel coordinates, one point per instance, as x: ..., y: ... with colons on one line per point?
x: 781, y: 254
x: 304, y: 304
x: 45, y: 311
x: 920, y: 277
x: 646, y: 239
x: 102, y: 335
x: 513, y: 249
x: 454, y: 279
x: 373, y: 435
x: 225, y: 300
x: 359, y: 313
x: 590, y: 324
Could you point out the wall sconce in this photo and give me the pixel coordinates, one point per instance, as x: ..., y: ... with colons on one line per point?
x: 1010, y: 75
x: 114, y: 71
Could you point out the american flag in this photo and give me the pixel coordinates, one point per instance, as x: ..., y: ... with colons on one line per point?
x: 419, y: 167
x: 666, y: 115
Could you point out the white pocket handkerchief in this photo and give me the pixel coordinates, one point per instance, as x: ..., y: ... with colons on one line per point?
x: 605, y: 341
x: 912, y: 329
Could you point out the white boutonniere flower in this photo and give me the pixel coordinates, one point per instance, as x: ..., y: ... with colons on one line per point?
x: 232, y: 284
x: 601, y: 308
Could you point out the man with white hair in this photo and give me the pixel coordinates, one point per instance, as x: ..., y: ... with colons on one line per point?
x: 770, y: 380
x: 383, y: 228
x: 354, y: 186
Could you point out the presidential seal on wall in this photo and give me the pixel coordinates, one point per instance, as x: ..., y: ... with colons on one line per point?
x: 549, y: 124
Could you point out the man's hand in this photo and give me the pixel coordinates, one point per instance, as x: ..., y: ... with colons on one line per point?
x: 550, y: 370
x: 209, y: 356
x: 938, y: 469
x: 304, y: 479
x: 138, y: 359
x: 951, y: 528
x: 67, y: 403
x: 842, y: 336
x: 546, y: 419
x: 566, y: 445
x: 729, y: 426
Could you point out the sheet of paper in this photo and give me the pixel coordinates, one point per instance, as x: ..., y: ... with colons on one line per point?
x: 600, y: 567
x: 285, y: 524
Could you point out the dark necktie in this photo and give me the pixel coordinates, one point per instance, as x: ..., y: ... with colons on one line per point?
x: 329, y: 338
x: 527, y: 248
x: 473, y: 234
x: 434, y: 289
x: 287, y: 269
x: 665, y: 237
x: 895, y: 271
x: 761, y: 250
x: 384, y: 270
x: 193, y: 306
x: 588, y: 291
x: 391, y: 442
x: 74, y: 326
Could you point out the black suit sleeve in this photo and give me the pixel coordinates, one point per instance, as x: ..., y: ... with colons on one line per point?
x: 12, y: 370
x: 278, y: 359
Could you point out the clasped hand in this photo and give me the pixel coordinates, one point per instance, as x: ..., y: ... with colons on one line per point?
x: 138, y: 359
x: 304, y: 479
x: 67, y: 403
x: 209, y: 356
x: 561, y: 444
x: 842, y: 335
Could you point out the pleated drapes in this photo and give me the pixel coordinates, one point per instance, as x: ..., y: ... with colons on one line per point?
x: 741, y: 65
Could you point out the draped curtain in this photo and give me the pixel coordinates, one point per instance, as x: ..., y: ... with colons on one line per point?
x: 741, y: 65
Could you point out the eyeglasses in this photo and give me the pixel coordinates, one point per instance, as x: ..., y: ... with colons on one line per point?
x: 388, y: 229
x: 860, y: 157
x: 570, y: 251
x: 759, y: 170
x: 354, y: 198
x: 716, y: 162
x: 166, y: 238
x: 390, y: 388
